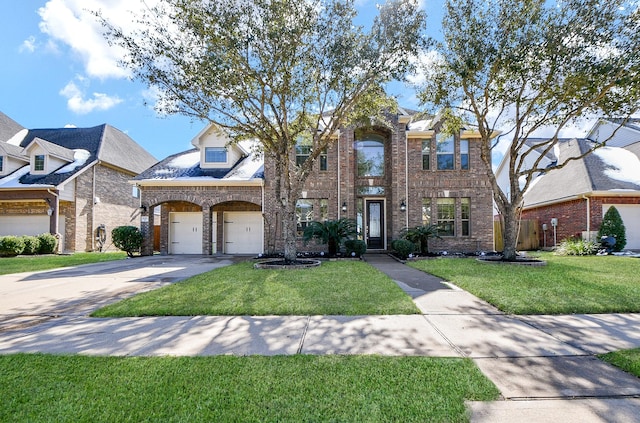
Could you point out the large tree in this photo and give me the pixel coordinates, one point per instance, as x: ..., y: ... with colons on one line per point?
x: 516, y: 67
x: 276, y: 71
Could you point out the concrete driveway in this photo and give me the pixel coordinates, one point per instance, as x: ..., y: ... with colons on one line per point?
x: 29, y: 298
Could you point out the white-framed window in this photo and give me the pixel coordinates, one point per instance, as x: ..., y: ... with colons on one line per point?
x: 445, y: 152
x: 215, y: 155
x: 464, y: 154
x: 1, y: 164
x: 426, y: 211
x: 302, y: 153
x: 38, y: 162
x: 446, y: 216
x: 465, y: 216
x: 324, y: 165
x: 324, y: 209
x: 304, y: 214
x: 370, y: 155
x: 426, y: 154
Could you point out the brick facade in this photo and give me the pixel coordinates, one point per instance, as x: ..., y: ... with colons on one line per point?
x: 403, y: 181
x: 572, y: 216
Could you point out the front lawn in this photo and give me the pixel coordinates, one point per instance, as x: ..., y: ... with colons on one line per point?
x: 566, y: 285
x: 302, y: 388
x: 34, y: 263
x: 334, y: 288
x: 627, y: 360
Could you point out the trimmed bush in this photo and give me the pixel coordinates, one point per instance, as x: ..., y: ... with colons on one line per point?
x: 357, y: 246
x: 576, y: 247
x: 612, y: 225
x: 11, y: 246
x: 127, y: 239
x: 31, y: 245
x: 48, y: 243
x: 403, y: 248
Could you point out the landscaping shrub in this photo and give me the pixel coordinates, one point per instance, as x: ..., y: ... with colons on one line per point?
x: 357, y: 246
x: 31, y: 245
x: 48, y: 243
x: 11, y: 246
x: 576, y: 247
x: 127, y: 239
x: 331, y: 232
x: 420, y: 235
x: 403, y: 248
x: 612, y: 225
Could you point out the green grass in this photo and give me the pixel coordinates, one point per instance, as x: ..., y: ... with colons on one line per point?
x: 566, y: 285
x: 334, y: 288
x: 44, y: 388
x: 34, y: 263
x: 627, y: 360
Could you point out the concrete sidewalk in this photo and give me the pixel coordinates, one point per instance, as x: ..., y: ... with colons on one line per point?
x: 544, y: 366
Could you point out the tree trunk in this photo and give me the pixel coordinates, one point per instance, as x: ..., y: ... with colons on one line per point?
x: 289, y: 229
x: 510, y: 233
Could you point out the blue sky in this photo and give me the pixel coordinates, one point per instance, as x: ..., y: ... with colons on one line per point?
x: 57, y: 71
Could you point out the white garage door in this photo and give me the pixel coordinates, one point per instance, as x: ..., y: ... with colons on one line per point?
x: 185, y: 233
x: 242, y: 232
x: 24, y: 225
x: 630, y: 214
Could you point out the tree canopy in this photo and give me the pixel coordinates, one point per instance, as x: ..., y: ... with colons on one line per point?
x: 273, y: 70
x: 517, y: 67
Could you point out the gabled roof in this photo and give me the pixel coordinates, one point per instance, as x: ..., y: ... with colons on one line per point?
x: 14, y: 151
x: 51, y: 149
x: 185, y: 167
x: 608, y: 169
x: 8, y: 127
x: 87, y: 145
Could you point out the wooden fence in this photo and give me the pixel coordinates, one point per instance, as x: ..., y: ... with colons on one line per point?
x: 527, y: 237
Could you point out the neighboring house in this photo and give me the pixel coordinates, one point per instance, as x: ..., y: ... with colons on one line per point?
x: 220, y: 198
x: 70, y: 182
x: 578, y: 195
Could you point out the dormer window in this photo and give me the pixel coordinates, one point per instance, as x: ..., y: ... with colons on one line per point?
x: 1, y: 164
x: 215, y: 155
x: 38, y: 163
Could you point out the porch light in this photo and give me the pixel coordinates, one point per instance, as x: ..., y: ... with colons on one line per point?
x: 403, y: 206
x: 143, y: 208
x: 344, y: 206
x: 49, y: 211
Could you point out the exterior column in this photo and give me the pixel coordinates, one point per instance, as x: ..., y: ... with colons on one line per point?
x: 206, y: 230
x: 146, y: 227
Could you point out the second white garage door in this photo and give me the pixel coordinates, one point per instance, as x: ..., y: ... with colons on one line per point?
x: 185, y: 233
x: 630, y: 214
x: 242, y: 232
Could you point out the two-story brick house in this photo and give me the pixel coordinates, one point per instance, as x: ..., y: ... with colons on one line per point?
x: 73, y: 182
x: 219, y: 198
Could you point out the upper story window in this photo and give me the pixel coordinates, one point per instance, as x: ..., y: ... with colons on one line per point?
x: 426, y: 154
x: 445, y: 152
x: 215, y: 155
x: 370, y: 156
x: 324, y: 160
x: 38, y: 162
x: 302, y: 153
x: 464, y: 154
x: 1, y: 164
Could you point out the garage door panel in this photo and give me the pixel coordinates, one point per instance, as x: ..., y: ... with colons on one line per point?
x: 185, y: 233
x: 243, y: 232
x: 24, y: 225
x: 630, y: 214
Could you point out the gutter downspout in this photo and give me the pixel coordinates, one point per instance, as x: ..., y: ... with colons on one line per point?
x: 93, y: 208
x: 339, y: 196
x: 406, y: 178
x: 56, y: 213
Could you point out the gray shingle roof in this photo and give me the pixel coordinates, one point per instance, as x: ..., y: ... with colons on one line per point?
x: 102, y: 142
x: 576, y: 178
x: 173, y: 167
x: 8, y: 127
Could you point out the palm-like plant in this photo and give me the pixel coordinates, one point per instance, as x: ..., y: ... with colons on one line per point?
x: 420, y: 235
x: 331, y: 232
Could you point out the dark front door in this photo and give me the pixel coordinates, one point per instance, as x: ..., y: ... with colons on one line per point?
x: 375, y: 224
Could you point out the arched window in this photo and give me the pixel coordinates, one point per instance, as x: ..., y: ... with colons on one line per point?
x: 370, y: 155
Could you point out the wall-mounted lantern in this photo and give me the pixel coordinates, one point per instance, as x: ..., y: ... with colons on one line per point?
x: 344, y: 206
x: 403, y: 206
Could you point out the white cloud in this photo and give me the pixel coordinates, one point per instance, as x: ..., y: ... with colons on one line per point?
x: 73, y: 23
x: 77, y: 103
x: 28, y: 45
